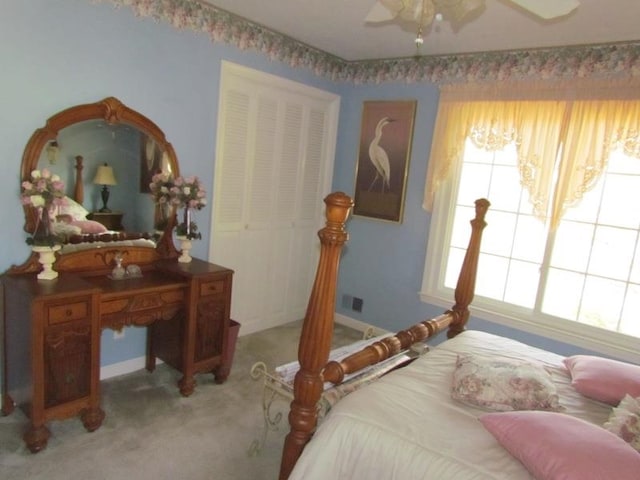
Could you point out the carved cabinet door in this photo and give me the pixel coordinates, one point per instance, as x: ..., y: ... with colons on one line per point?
x: 67, y: 350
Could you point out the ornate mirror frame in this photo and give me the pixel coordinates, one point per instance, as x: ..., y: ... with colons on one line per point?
x: 97, y: 260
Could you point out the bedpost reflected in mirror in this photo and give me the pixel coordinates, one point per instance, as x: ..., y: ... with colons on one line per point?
x: 91, y: 141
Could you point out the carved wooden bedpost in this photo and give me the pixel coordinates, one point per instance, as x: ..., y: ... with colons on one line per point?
x: 317, y: 333
x: 78, y: 190
x: 467, y: 279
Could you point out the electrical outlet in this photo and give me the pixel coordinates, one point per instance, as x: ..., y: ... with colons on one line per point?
x: 118, y: 334
x: 356, y: 305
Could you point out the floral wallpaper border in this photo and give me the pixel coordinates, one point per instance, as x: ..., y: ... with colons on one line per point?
x: 602, y: 61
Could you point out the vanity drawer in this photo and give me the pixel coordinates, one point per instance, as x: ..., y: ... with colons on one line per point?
x: 67, y: 312
x: 213, y: 287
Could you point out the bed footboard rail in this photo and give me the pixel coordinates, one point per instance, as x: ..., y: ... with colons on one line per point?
x: 335, y: 371
x: 454, y: 320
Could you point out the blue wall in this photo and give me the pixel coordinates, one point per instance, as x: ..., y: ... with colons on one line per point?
x: 383, y: 262
x: 59, y: 53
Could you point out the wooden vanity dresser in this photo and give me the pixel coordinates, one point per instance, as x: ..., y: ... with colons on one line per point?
x: 52, y: 328
x: 53, y: 331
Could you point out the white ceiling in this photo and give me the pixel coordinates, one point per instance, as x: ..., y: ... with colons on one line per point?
x: 337, y: 27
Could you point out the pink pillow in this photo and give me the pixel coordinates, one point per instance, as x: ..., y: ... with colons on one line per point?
x: 90, y: 226
x: 557, y: 446
x: 603, y: 379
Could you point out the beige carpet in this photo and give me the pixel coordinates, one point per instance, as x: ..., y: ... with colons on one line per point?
x: 152, y: 432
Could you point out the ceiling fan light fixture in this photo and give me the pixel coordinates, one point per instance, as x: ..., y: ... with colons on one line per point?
x: 423, y: 12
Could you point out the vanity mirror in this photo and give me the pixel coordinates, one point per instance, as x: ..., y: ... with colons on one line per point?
x: 105, y: 153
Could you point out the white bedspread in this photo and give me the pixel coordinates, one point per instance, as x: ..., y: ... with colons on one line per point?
x: 406, y: 426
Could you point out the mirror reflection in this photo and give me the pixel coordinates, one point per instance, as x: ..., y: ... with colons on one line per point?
x: 106, y: 164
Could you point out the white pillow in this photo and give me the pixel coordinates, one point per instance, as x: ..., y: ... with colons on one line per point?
x: 73, y: 208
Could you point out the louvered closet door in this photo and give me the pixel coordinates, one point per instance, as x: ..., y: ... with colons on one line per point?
x: 276, y: 143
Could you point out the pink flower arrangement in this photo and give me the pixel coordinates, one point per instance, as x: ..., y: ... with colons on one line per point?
x: 188, y: 192
x: 43, y: 190
x: 180, y: 192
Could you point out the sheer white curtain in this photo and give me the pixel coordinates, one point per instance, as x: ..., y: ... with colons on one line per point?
x: 577, y: 122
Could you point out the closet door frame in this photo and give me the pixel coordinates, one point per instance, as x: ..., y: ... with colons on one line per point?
x: 236, y: 77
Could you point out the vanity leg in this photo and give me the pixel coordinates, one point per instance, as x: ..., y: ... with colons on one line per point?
x: 92, y: 418
x: 187, y: 385
x: 36, y: 438
x: 150, y: 361
x: 8, y: 405
x: 221, y: 373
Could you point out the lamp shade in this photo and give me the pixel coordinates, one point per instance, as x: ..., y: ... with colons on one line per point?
x: 105, y: 176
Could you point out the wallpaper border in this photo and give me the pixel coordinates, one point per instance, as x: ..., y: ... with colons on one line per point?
x: 621, y: 60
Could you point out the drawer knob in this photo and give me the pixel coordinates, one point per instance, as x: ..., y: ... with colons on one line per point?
x: 69, y: 312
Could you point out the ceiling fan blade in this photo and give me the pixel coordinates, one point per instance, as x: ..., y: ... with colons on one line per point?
x: 420, y: 11
x: 548, y: 9
x: 379, y: 13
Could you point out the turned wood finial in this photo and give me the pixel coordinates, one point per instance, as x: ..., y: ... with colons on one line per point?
x: 317, y: 332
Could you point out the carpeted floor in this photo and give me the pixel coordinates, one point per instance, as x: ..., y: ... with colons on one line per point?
x: 152, y: 432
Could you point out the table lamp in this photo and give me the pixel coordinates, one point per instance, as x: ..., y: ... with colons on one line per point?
x: 104, y: 176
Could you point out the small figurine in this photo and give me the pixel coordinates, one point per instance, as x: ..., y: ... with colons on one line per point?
x: 118, y: 271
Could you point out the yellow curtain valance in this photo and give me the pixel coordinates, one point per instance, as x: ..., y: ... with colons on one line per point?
x: 583, y: 121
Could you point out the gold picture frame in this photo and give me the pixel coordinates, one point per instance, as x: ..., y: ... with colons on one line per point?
x: 386, y: 135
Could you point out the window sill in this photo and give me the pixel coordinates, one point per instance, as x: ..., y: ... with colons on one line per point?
x: 617, y: 345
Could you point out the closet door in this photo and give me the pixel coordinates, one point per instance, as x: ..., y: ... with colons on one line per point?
x: 274, y: 162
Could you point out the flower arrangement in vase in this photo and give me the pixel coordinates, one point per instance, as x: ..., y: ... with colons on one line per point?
x: 183, y: 193
x: 43, y: 191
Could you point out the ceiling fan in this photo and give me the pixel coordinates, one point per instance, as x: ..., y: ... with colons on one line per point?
x: 423, y: 12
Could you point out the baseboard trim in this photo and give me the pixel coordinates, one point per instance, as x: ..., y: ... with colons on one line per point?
x: 122, y: 368
x: 359, y: 325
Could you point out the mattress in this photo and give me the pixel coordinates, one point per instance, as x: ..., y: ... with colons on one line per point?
x: 406, y: 426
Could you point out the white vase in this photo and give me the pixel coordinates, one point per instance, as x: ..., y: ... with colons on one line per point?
x: 185, y: 247
x: 46, y: 257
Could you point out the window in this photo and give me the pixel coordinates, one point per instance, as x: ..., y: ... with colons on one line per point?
x: 564, y: 266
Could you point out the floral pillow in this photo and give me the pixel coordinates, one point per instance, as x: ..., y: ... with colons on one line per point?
x: 503, y: 385
x: 624, y: 421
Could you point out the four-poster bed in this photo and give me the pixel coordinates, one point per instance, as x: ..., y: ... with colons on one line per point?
x: 434, y: 418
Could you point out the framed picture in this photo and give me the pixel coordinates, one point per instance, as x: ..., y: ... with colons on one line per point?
x: 386, y: 134
x: 150, y: 161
